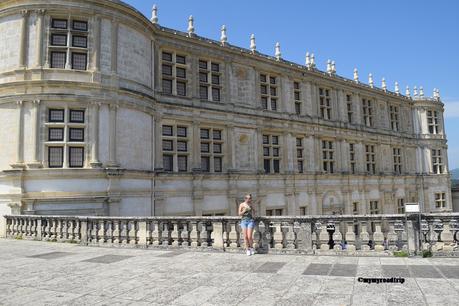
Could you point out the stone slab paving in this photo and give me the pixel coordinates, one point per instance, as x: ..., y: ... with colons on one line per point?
x: 41, y: 273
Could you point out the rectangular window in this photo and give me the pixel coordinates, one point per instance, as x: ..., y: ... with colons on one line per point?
x: 299, y: 154
x: 367, y: 112
x: 181, y: 131
x: 440, y: 200
x: 76, y: 116
x: 58, y: 59
x: 56, y: 115
x: 205, y: 163
x: 80, y: 41
x: 352, y: 159
x: 76, y: 157
x: 271, y: 153
x: 56, y: 134
x: 182, y: 146
x: 374, y: 208
x: 79, y: 61
x: 167, y: 86
x: 437, y: 161
x: 59, y: 40
x: 215, y: 155
x: 59, y: 24
x: 400, y: 206
x: 168, y: 162
x: 370, y: 159
x: 166, y: 70
x: 355, y: 208
x: 181, y: 88
x: 76, y: 134
x: 167, y: 130
x: 180, y: 72
x: 166, y: 56
x: 180, y: 59
x: 168, y: 145
x: 350, y: 111
x: 209, y: 80
x: 217, y: 134
x: 203, y: 92
x: 394, y: 117
x: 80, y: 25
x: 218, y: 164
x: 174, y: 84
x: 182, y: 162
x: 433, y: 122
x: 175, y: 148
x: 55, y: 157
x: 397, y: 157
x: 268, y: 92
x: 328, y: 157
x: 324, y: 103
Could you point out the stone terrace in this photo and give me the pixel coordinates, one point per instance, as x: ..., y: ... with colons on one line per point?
x: 70, y: 274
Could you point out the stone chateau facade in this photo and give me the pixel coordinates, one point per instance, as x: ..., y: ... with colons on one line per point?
x: 104, y: 112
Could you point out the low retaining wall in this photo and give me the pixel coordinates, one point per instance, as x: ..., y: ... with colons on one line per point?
x: 377, y: 235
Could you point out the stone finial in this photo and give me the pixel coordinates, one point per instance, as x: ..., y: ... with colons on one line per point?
x: 333, y: 67
x: 223, y: 37
x: 313, y: 61
x: 407, y: 91
x: 415, y: 91
x: 397, y: 88
x: 277, y: 53
x: 154, y: 14
x: 421, y: 92
x: 190, y: 25
x: 329, y: 67
x: 383, y: 84
x: 253, y: 45
x: 356, y: 75
x: 370, y: 80
x: 308, y: 60
x: 438, y: 94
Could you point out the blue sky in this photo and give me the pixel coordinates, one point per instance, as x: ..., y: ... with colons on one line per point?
x: 413, y: 42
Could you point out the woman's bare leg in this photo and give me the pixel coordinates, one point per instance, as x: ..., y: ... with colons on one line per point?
x: 246, y: 241
x: 250, y: 237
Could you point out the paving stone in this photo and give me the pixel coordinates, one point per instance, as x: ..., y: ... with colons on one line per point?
x: 449, y: 271
x: 106, y: 259
x: 395, y: 271
x: 317, y: 269
x: 343, y: 270
x: 51, y: 255
x: 270, y: 267
x: 422, y: 271
x: 171, y: 254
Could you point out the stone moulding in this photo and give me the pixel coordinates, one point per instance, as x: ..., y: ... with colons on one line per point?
x: 349, y: 235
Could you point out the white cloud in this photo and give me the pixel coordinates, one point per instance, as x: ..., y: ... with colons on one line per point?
x: 452, y: 109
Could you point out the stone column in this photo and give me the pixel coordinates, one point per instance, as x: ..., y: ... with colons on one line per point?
x: 36, y: 140
x: 112, y: 162
x: 20, y: 138
x: 95, y: 163
x: 39, y: 42
x: 24, y: 38
x: 97, y: 44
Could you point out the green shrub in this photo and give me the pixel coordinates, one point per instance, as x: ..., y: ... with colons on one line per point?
x: 426, y: 253
x: 402, y: 253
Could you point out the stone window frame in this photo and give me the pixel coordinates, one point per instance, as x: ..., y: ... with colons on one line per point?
x: 325, y: 103
x: 209, y: 84
x: 72, y: 52
x: 437, y: 161
x: 211, y: 141
x: 397, y: 160
x: 374, y: 207
x: 271, y: 99
x: 299, y: 153
x: 368, y: 108
x: 328, y: 156
x: 394, y: 117
x: 176, y: 139
x: 400, y: 206
x: 274, y: 212
x: 303, y: 210
x: 298, y: 103
x: 440, y: 200
x: 352, y: 158
x: 433, y: 121
x: 175, y: 65
x: 66, y: 143
x: 273, y: 144
x: 355, y: 208
x: 370, y: 159
x: 349, y: 107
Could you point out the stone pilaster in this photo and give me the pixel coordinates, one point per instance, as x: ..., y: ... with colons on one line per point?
x: 95, y: 163
x: 114, y: 49
x: 24, y: 38
x: 112, y: 160
x: 195, y: 147
x: 36, y: 163
x: 157, y: 143
x: 39, y: 42
x: 19, y: 163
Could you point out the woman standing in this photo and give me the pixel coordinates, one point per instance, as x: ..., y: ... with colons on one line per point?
x: 246, y: 211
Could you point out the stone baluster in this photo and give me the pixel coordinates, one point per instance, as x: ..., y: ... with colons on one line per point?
x: 324, y: 238
x: 64, y: 229
x: 28, y: 228
x: 52, y: 230
x: 350, y: 237
x: 47, y: 229
x: 425, y: 245
x: 39, y: 234
x: 202, y: 234
x: 364, y: 236
x: 278, y: 235
x: 185, y: 234
x: 225, y: 235
x: 290, y: 237
x: 132, y: 232
x: 233, y: 236
x: 257, y: 237
x: 447, y: 237
x: 124, y: 232
x: 392, y: 237
x: 71, y: 230
x: 217, y: 235
x: 101, y: 232
x: 337, y: 238
x: 175, y: 235
x: 166, y: 233
x: 378, y: 237
x: 78, y: 230
x: 156, y: 229
x: 194, y: 234
x: 116, y: 231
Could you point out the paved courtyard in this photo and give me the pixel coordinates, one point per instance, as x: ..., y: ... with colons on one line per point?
x: 44, y: 273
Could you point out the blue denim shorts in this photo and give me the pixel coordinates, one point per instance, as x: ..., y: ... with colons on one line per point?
x: 247, y: 223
